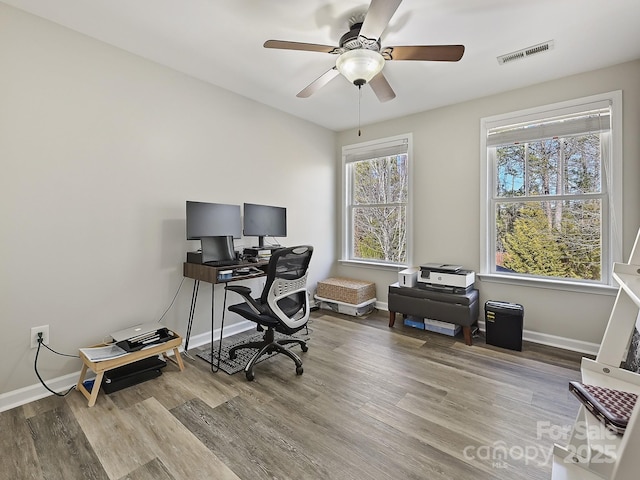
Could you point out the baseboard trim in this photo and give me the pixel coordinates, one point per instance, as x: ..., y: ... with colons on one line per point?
x: 34, y: 392
x: 541, y: 338
x: 555, y: 341
x: 198, y: 340
x: 28, y: 394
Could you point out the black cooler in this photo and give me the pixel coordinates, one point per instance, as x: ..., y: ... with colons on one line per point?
x: 503, y: 324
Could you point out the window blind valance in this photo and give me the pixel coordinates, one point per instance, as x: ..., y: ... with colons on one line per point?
x: 379, y: 150
x: 593, y: 121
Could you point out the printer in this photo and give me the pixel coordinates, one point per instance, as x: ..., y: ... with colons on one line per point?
x: 444, y: 277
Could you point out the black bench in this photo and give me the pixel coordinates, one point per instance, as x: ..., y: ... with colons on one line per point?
x: 460, y: 309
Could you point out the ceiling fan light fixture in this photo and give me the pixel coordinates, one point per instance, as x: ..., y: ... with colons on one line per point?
x: 359, y: 66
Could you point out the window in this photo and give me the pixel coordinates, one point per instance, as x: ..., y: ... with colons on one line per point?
x: 376, y: 177
x: 551, y: 192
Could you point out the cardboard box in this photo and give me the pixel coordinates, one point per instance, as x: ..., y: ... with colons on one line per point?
x: 445, y: 328
x: 346, y: 290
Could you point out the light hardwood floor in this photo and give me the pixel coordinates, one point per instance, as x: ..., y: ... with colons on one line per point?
x: 373, y: 403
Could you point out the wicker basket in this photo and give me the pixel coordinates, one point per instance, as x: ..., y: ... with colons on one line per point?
x: 346, y: 290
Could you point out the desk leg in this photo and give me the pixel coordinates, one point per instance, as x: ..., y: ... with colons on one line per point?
x: 192, y: 311
x: 224, y: 306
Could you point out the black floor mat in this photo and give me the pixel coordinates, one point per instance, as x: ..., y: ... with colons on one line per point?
x: 245, y: 354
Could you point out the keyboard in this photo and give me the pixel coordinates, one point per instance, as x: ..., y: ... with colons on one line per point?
x: 222, y: 263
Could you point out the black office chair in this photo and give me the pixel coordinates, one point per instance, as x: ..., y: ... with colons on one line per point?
x: 283, y: 306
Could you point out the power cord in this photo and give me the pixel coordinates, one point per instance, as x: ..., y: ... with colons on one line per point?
x: 35, y: 363
x: 35, y: 367
x: 172, y: 301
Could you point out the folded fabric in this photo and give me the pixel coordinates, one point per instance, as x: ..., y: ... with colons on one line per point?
x: 612, y: 407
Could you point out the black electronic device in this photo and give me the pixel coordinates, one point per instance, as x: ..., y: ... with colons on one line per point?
x: 444, y: 288
x: 134, y: 344
x: 216, y: 252
x: 132, y: 374
x: 218, y: 249
x: 264, y: 221
x: 212, y: 220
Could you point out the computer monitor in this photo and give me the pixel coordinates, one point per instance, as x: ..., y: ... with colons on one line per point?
x: 264, y: 221
x: 213, y: 220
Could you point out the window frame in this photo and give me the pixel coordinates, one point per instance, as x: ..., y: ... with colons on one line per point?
x: 612, y: 186
x: 361, y: 151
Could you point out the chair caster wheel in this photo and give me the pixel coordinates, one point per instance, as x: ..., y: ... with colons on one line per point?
x: 250, y: 376
x: 304, y: 348
x: 299, y: 370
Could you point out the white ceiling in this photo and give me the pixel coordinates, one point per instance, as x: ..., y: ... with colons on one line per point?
x: 220, y: 41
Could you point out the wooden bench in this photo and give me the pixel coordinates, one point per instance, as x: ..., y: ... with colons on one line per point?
x: 100, y: 367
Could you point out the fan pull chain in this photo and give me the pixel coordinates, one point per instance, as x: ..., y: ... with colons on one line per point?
x: 359, y: 101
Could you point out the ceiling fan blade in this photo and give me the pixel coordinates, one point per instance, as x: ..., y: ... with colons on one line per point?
x: 434, y: 53
x: 377, y: 18
x: 381, y: 88
x: 309, y: 47
x: 318, y: 83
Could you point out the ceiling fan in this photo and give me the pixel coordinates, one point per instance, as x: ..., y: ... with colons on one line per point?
x: 361, y: 57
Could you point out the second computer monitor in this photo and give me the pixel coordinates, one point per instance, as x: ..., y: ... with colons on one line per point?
x: 264, y: 221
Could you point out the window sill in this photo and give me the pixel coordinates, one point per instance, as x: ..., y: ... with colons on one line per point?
x: 550, y: 284
x: 379, y: 266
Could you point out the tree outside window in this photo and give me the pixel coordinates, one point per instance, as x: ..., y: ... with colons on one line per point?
x: 559, y: 237
x: 550, y: 194
x: 376, y: 194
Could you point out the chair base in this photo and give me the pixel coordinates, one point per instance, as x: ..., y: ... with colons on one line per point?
x: 267, y: 346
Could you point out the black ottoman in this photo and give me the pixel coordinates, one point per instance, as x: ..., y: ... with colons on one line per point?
x: 460, y: 309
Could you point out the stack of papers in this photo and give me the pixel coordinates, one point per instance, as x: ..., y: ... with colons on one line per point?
x: 108, y: 352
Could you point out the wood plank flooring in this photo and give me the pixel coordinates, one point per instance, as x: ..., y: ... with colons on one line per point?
x: 373, y: 403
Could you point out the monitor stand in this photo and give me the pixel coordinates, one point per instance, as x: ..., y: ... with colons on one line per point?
x: 262, y: 246
x: 268, y: 247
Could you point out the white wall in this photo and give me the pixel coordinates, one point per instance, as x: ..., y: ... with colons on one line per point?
x: 99, y: 150
x: 447, y: 194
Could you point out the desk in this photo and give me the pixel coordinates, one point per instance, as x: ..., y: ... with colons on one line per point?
x: 104, y: 366
x: 206, y: 273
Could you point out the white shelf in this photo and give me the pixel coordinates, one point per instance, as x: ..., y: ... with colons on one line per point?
x: 570, y: 471
x: 595, y: 373
x: 628, y: 276
x: 594, y: 452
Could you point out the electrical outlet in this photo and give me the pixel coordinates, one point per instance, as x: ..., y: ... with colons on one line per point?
x: 34, y: 335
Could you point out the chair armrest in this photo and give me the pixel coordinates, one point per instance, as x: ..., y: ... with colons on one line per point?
x: 240, y: 290
x: 245, y: 292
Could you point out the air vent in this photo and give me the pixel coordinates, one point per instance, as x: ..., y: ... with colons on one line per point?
x: 526, y: 52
